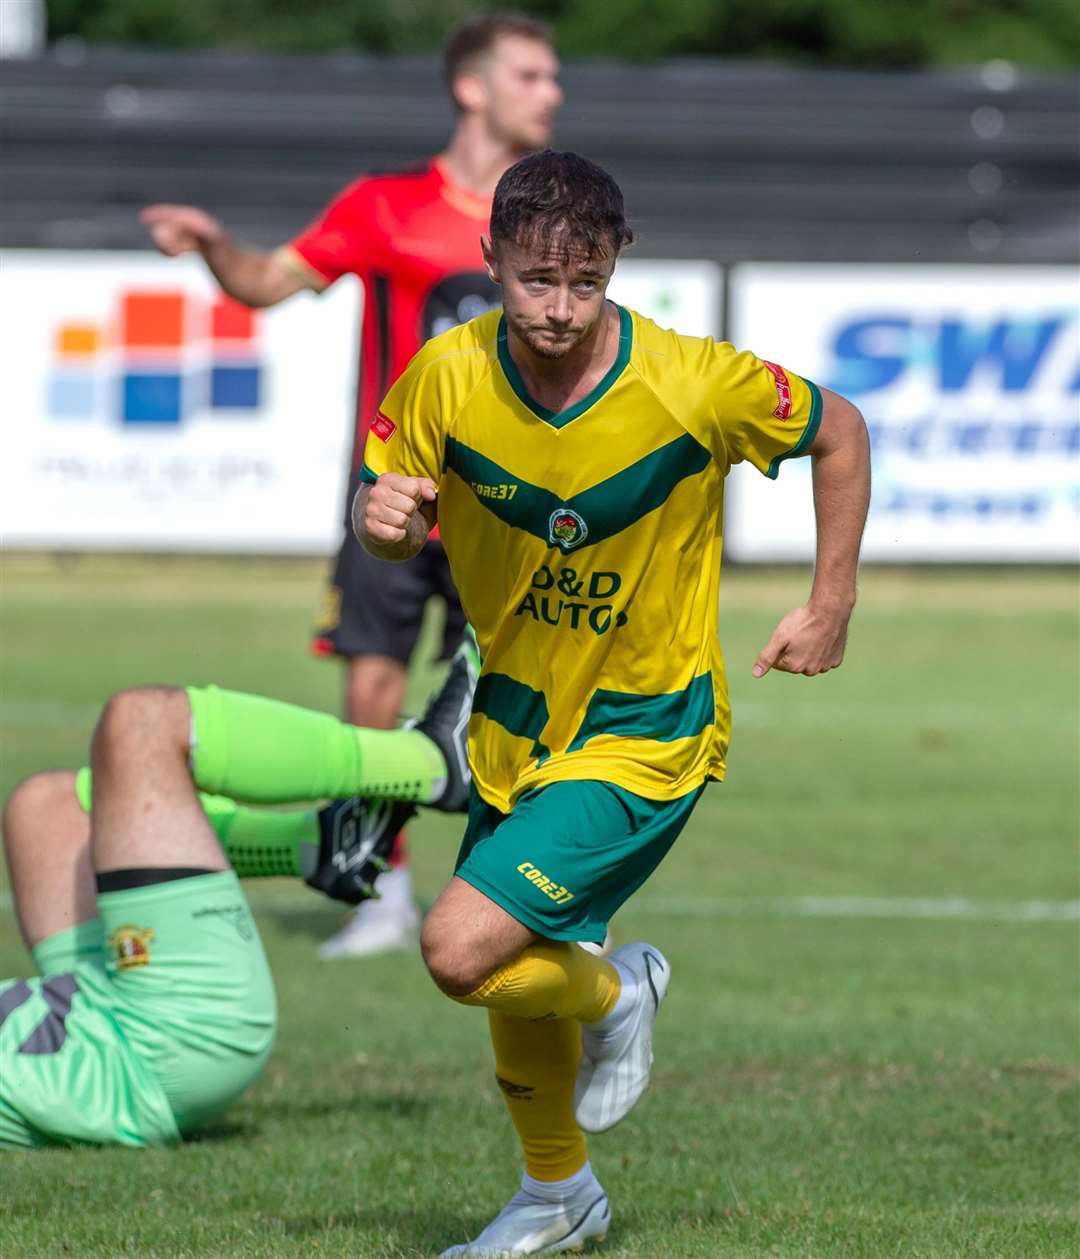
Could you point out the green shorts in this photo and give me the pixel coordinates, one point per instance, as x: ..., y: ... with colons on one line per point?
x: 568, y: 855
x: 147, y: 1021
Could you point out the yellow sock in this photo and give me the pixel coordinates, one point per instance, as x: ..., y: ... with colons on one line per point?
x: 551, y: 980
x: 536, y: 1065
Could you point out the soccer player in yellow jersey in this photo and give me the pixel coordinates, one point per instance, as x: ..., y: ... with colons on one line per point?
x: 574, y: 455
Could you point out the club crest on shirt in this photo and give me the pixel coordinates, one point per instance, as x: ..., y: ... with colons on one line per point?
x: 567, y: 529
x: 131, y: 945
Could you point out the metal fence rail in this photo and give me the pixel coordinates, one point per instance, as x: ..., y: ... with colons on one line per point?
x: 731, y: 161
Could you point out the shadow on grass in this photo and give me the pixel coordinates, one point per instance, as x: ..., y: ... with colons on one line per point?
x: 223, y: 1130
x: 382, y: 1107
x: 426, y: 1228
x: 286, y: 1110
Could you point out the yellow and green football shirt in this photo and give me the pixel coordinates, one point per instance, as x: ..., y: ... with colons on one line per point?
x: 586, y: 544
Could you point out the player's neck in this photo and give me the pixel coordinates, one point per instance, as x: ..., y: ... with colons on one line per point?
x: 560, y: 383
x: 474, y: 159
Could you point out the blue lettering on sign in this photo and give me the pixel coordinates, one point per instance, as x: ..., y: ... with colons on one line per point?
x: 1016, y: 349
x: 873, y: 352
x: 923, y: 436
x: 870, y: 354
x: 985, y: 505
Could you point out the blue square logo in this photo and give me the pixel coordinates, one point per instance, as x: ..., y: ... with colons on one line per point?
x: 71, y: 397
x: 235, y: 388
x: 152, y: 398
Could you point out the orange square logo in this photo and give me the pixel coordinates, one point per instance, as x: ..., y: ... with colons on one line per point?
x: 152, y: 321
x: 78, y: 340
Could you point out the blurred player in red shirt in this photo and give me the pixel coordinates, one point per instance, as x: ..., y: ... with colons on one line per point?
x: 413, y: 239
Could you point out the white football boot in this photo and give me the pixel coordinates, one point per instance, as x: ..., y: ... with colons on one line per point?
x: 533, y: 1223
x: 387, y: 925
x: 616, y: 1053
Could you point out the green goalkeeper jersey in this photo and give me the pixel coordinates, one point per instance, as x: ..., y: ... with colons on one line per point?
x: 146, y: 1022
x: 68, y: 1073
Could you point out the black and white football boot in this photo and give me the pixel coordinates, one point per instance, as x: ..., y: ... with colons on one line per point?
x: 355, y: 839
x: 446, y: 724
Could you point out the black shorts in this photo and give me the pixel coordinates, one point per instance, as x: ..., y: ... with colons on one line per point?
x: 374, y: 608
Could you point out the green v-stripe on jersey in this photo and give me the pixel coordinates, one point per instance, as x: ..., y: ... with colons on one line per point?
x: 609, y: 507
x: 586, y: 544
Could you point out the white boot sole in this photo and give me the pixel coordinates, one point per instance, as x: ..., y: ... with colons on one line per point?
x: 590, y: 1231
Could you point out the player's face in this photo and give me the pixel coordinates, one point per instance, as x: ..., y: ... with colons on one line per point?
x: 552, y: 298
x: 522, y: 92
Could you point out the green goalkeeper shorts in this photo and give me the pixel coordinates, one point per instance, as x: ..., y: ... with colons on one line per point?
x: 146, y: 1023
x: 567, y: 856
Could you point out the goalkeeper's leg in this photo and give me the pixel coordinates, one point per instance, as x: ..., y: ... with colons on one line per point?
x: 338, y: 849
x: 142, y: 904
x: 47, y: 846
x: 247, y: 746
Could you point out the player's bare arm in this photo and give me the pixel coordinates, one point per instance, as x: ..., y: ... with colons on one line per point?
x: 393, y: 517
x: 252, y: 276
x: 811, y: 639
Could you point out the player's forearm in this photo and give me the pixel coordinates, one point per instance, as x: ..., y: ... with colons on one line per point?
x: 417, y: 529
x: 251, y: 276
x: 841, y: 469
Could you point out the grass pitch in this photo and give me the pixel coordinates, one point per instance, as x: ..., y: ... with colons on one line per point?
x: 829, y: 1084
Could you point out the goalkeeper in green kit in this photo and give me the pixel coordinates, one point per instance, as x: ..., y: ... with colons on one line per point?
x: 154, y: 1007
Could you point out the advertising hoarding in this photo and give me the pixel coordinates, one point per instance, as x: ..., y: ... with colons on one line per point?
x: 969, y: 380
x: 144, y: 412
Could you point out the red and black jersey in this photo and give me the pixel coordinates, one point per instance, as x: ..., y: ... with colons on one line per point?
x: 413, y: 238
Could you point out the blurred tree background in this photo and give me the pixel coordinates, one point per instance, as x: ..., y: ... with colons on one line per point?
x: 1041, y: 33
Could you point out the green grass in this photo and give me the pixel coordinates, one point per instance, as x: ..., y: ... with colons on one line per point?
x: 826, y: 1087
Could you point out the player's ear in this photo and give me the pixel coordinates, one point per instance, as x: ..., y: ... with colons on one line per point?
x: 470, y: 93
x: 490, y: 261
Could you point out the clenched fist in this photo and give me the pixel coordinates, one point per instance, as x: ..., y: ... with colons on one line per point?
x: 388, y: 516
x: 181, y: 229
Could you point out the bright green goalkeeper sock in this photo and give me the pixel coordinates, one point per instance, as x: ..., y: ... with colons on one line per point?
x: 264, y: 751
x: 262, y: 844
x: 259, y: 843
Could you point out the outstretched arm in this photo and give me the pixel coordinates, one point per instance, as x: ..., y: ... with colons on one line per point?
x: 811, y: 639
x: 252, y: 276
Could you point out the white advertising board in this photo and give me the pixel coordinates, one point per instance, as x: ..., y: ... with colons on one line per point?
x: 969, y: 379
x: 685, y: 296
x: 141, y: 412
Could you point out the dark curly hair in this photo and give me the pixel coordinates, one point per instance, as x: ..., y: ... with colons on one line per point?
x: 560, y: 199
